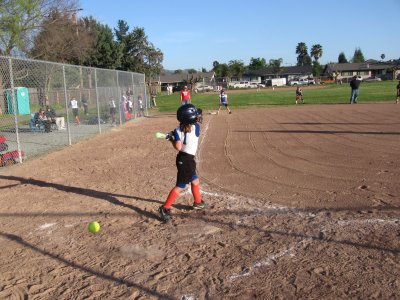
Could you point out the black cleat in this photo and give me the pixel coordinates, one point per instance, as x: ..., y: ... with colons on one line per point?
x: 165, y: 213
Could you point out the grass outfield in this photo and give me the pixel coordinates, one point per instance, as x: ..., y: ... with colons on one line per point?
x: 325, y: 94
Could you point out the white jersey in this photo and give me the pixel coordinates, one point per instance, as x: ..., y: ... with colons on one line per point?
x: 190, y: 140
x: 74, y: 103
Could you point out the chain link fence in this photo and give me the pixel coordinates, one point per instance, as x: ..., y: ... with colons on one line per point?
x: 77, y: 102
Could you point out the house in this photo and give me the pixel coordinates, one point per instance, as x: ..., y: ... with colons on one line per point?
x: 371, y: 68
x: 180, y: 79
x: 262, y: 75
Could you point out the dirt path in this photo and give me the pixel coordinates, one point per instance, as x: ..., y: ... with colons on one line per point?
x: 304, y: 203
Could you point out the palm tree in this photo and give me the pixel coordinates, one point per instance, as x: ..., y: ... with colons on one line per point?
x: 316, y: 51
x: 301, y: 51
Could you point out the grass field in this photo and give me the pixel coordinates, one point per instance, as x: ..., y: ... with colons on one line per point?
x: 328, y: 94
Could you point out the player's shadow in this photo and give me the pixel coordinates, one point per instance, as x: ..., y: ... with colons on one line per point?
x: 109, y: 197
x: 56, y: 257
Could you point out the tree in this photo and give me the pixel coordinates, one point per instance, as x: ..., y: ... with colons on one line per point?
x: 275, y: 65
x: 236, y: 68
x: 257, y: 63
x: 138, y: 54
x: 316, y: 51
x: 20, y: 20
x: 342, y: 58
x: 358, y: 56
x: 383, y: 56
x: 317, y: 69
x: 64, y: 39
x: 303, y: 59
x: 221, y: 70
x: 121, y: 31
x: 192, y: 71
x: 106, y: 53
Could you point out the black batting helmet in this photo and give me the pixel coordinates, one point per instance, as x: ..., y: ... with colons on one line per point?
x: 187, y: 114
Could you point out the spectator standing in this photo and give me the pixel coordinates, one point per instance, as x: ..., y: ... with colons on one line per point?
x: 141, y: 107
x: 85, y: 105
x: 113, y: 110
x: 398, y: 93
x: 185, y: 96
x: 75, y: 110
x: 355, y: 85
x: 153, y: 98
x: 130, y: 104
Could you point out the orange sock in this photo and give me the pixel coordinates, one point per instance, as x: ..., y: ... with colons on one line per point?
x: 171, y: 198
x: 196, y: 193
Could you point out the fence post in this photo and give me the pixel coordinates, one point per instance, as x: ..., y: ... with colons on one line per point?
x: 133, y: 99
x: 145, y: 94
x: 66, y: 107
x: 15, y: 110
x: 119, y: 99
x: 97, y: 99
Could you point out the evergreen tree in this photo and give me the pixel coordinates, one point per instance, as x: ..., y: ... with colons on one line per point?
x: 358, y: 56
x: 107, y: 53
x: 342, y: 58
x: 121, y: 31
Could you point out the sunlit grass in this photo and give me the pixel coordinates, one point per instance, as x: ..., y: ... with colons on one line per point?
x: 329, y: 94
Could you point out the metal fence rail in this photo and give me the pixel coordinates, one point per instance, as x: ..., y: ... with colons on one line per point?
x: 27, y: 86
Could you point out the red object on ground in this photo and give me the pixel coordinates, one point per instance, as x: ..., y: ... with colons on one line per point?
x: 2, y: 139
x: 12, y: 154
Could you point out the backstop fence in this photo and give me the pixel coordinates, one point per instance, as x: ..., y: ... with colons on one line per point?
x: 82, y: 102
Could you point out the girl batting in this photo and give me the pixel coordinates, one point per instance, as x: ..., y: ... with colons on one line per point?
x: 185, y: 139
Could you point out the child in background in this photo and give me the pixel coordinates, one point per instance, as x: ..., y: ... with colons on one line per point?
x: 223, y: 100
x: 299, y: 94
x: 185, y: 139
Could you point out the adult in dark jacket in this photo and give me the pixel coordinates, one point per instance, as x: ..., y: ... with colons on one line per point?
x: 355, y: 85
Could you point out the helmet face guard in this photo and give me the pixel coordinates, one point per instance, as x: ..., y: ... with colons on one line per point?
x: 187, y: 114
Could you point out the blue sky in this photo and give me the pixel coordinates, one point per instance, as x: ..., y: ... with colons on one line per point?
x: 194, y: 34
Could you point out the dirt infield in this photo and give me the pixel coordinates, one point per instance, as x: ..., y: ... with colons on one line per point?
x: 304, y: 204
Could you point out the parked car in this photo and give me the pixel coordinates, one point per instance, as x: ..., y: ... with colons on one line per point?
x: 370, y: 79
x: 242, y: 84
x: 256, y: 85
x: 300, y: 81
x: 203, y: 88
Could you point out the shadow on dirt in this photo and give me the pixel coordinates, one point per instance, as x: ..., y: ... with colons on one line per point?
x: 322, y: 132
x: 109, y: 197
x: 129, y: 284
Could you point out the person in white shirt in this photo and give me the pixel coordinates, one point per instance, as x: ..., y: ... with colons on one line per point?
x: 75, y: 110
x: 113, y: 110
